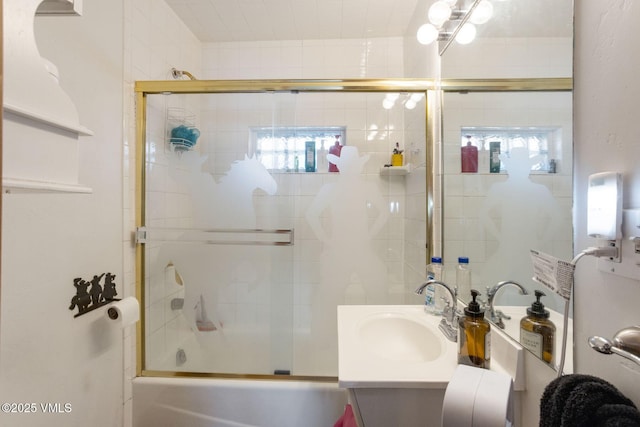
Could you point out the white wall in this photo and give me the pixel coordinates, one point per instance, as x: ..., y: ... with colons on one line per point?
x: 359, y: 112
x: 607, y: 55
x: 47, y: 355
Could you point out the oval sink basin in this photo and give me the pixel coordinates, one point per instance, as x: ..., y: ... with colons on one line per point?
x: 398, y: 338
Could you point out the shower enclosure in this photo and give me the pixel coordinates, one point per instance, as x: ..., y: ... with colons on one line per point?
x: 247, y: 242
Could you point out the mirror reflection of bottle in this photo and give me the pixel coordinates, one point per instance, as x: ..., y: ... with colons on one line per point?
x: 463, y: 276
x: 322, y: 158
x: 537, y: 332
x: 469, y: 157
x: 431, y: 294
x: 494, y: 157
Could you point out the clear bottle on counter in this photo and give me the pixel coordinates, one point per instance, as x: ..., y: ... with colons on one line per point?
x: 432, y: 302
x: 463, y: 276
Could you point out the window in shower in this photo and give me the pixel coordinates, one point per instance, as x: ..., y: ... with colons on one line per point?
x: 283, y: 149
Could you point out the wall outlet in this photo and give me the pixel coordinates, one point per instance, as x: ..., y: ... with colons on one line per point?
x: 629, y: 247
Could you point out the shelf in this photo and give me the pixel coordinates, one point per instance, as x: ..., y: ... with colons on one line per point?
x: 395, y: 170
x: 11, y: 186
x: 41, y: 127
x: 51, y: 121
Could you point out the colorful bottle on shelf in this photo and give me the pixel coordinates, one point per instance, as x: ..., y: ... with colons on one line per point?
x: 397, y: 158
x: 310, y: 156
x: 335, y: 150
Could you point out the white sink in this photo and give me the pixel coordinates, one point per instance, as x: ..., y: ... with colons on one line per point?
x: 396, y: 364
x: 392, y: 346
x: 398, y: 337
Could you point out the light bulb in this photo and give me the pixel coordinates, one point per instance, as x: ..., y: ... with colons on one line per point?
x: 410, y: 104
x: 466, y: 34
x: 392, y: 96
x: 416, y: 97
x: 427, y: 34
x: 387, y: 104
x: 450, y: 2
x: 482, y: 13
x: 439, y: 12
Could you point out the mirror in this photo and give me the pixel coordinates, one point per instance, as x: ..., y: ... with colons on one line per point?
x: 516, y: 191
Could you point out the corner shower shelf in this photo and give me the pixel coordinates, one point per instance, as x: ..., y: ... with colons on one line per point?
x: 395, y: 170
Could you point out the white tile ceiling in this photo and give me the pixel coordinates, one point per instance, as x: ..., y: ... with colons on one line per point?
x: 250, y: 20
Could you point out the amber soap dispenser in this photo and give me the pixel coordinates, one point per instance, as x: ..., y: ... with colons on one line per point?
x: 537, y: 332
x: 474, y: 336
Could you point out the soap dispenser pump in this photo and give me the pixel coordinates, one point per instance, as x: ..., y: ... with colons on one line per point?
x: 474, y: 335
x: 537, y: 332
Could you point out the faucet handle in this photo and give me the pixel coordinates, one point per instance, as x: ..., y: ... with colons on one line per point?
x: 484, y: 302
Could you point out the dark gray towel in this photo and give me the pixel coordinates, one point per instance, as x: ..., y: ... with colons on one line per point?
x: 586, y: 401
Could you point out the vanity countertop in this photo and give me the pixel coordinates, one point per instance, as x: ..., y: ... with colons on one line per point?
x: 400, y: 346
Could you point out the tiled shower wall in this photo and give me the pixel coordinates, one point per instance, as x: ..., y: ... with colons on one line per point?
x: 369, y: 127
x: 155, y: 40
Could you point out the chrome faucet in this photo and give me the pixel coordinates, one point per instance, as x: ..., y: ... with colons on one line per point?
x: 494, y: 315
x: 449, y: 323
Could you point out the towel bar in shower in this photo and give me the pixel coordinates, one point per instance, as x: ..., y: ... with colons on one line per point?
x: 256, y: 237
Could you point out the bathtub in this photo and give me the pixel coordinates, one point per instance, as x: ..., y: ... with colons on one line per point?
x: 212, y: 402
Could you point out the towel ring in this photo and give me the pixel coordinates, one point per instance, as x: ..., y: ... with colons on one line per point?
x: 625, y: 343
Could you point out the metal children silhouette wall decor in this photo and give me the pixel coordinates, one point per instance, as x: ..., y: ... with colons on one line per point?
x: 91, y: 294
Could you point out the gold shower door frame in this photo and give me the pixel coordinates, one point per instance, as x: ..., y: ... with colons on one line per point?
x: 144, y: 88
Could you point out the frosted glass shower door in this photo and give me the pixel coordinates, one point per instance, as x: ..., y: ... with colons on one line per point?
x: 251, y: 240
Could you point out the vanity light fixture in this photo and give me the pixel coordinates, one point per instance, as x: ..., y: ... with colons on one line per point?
x: 448, y: 21
x: 408, y: 100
